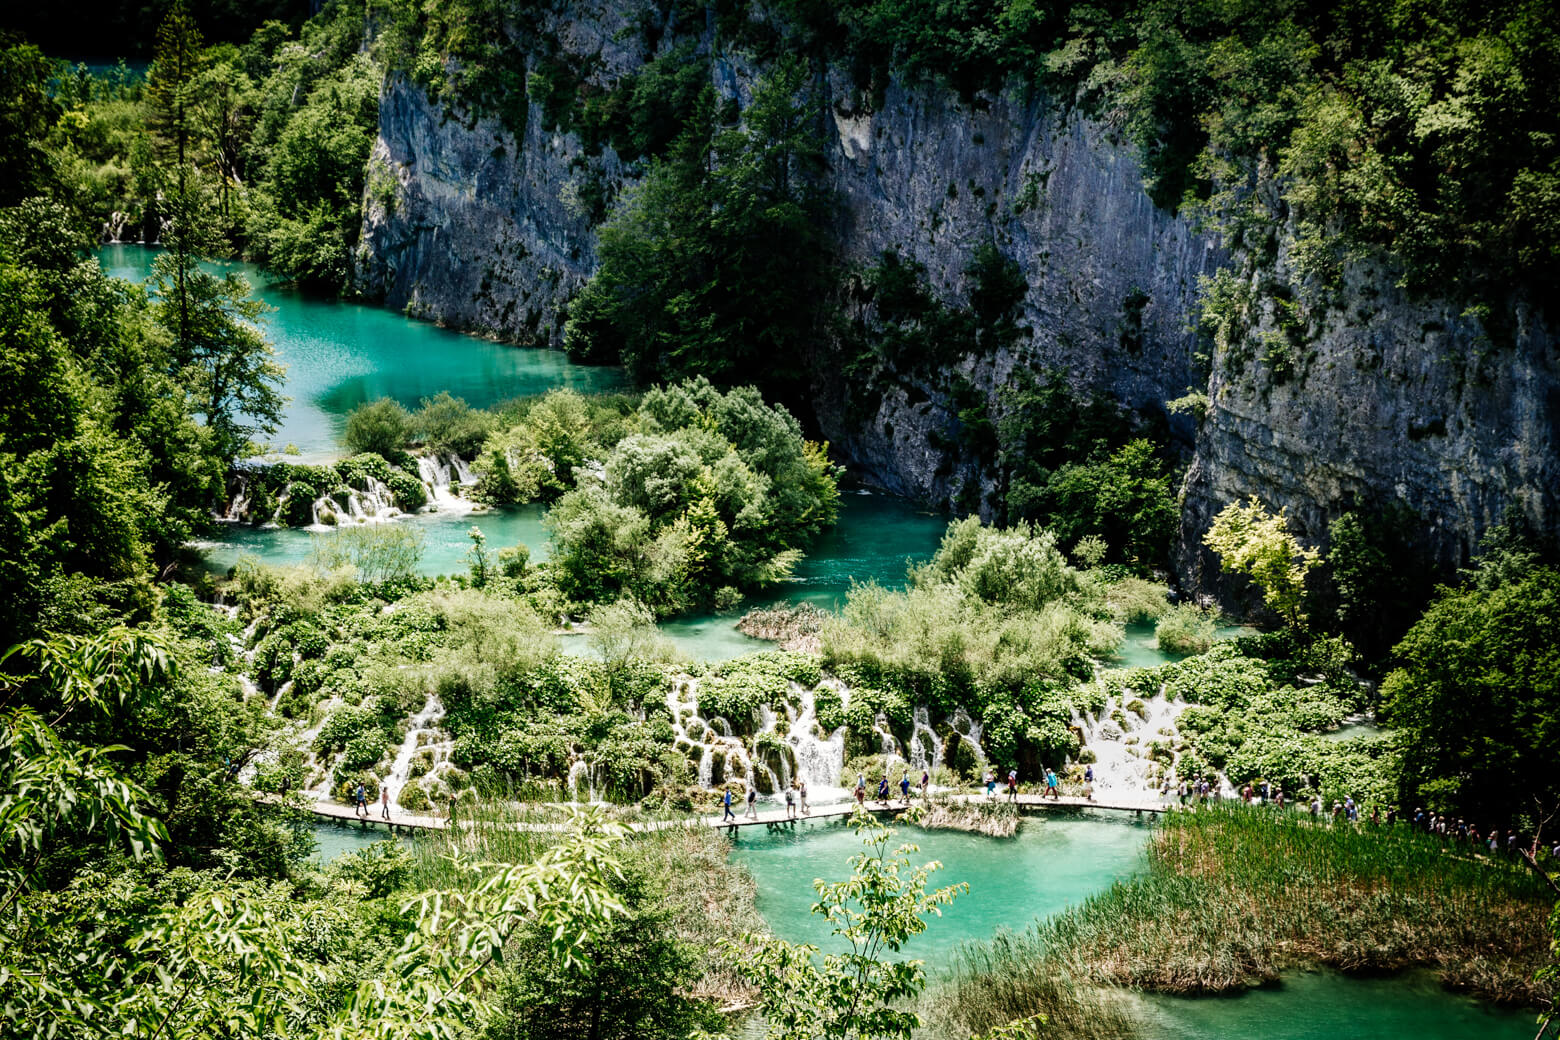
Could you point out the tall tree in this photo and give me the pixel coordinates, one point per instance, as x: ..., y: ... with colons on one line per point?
x: 1477, y: 697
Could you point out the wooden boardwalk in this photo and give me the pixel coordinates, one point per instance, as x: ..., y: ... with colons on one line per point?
x: 767, y: 818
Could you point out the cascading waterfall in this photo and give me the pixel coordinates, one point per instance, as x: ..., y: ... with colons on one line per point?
x: 887, y: 744
x: 1120, y: 766
x: 422, y: 734
x: 591, y: 773
x: 444, y: 476
x: 925, y: 750
x: 969, y: 733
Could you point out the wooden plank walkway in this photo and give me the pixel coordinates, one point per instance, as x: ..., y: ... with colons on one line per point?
x: 767, y: 818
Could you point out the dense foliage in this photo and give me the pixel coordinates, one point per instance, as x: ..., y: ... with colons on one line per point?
x: 1476, y: 696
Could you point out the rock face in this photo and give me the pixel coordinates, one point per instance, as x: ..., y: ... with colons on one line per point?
x: 1384, y: 400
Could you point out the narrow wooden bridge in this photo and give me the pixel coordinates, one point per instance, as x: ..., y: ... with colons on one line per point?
x: 771, y: 818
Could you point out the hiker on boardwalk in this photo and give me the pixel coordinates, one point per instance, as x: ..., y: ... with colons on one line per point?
x: 801, y: 789
x: 359, y: 801
x: 726, y: 801
x: 1052, y: 788
x: 1012, y: 785
x: 904, y: 787
x: 991, y: 783
x: 883, y: 789
x: 752, y: 809
x: 1088, y: 786
x: 926, y: 783
x: 790, y: 801
x: 861, y: 792
x: 384, y: 801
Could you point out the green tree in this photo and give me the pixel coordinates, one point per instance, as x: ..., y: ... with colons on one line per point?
x: 382, y: 427
x: 478, y: 559
x: 1254, y: 542
x: 448, y: 424
x: 1476, y: 696
x: 857, y: 994
x: 220, y: 354
x: 713, y: 269
x: 27, y: 112
x: 637, y: 967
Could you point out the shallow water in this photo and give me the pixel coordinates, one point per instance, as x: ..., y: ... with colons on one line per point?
x: 1059, y: 860
x: 1054, y: 861
x: 341, y: 354
x: 1140, y: 647
x: 446, y: 540
x: 338, y: 839
x: 1325, y: 1005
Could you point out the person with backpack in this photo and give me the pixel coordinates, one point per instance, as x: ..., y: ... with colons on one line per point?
x: 1052, y: 788
x: 904, y: 787
x: 1012, y: 785
x: 752, y: 809
x: 790, y: 801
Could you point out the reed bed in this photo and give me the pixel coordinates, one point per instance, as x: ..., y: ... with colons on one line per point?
x: 993, y: 819
x: 1233, y: 896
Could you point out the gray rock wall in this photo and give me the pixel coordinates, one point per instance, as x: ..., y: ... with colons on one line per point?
x: 1389, y: 400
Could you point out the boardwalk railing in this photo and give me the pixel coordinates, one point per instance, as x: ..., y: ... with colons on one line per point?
x: 768, y: 817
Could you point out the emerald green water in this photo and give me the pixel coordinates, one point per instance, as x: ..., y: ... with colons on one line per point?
x: 446, y: 540
x: 1053, y: 862
x: 340, y: 354
x: 337, y: 839
x: 1056, y: 861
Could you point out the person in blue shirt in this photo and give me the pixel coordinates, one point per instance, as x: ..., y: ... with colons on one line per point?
x: 726, y: 801
x: 904, y: 787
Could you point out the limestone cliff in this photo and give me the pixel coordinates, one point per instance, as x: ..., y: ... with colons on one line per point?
x: 1373, y: 399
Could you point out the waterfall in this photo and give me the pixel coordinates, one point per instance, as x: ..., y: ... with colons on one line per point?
x: 887, y: 745
x: 578, y: 770
x: 819, y: 759
x: 924, y: 752
x: 422, y: 733
x: 968, y: 731
x: 444, y: 476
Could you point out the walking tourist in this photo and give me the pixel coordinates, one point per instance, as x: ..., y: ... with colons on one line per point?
x: 752, y: 809
x: 726, y: 801
x: 801, y: 788
x: 904, y: 787
x: 926, y: 783
x: 359, y: 801
x: 790, y: 801
x: 1012, y: 785
x: 861, y: 791
x: 991, y: 783
x: 1051, y: 786
x: 384, y: 801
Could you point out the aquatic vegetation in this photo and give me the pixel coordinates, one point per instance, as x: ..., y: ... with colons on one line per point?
x: 1234, y: 896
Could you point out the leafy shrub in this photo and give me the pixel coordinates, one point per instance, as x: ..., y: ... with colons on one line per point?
x: 1187, y: 629
x: 382, y: 427
x: 356, y: 471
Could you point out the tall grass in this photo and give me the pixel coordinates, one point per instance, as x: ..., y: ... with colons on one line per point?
x: 1233, y: 896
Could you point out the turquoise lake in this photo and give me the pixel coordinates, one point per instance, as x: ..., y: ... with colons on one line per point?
x: 1059, y: 860
x: 341, y: 354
